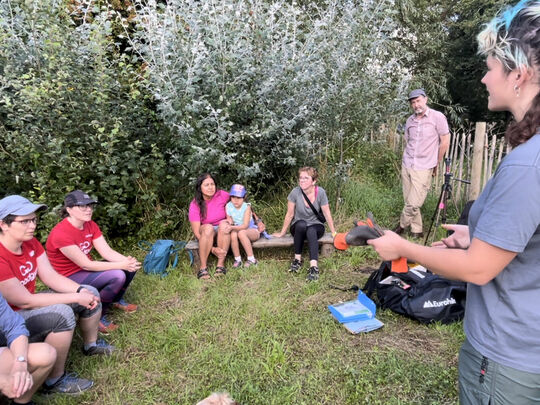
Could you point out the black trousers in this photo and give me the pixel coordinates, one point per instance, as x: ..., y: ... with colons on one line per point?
x: 301, y: 231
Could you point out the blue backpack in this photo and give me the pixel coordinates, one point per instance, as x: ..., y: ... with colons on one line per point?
x: 160, y: 255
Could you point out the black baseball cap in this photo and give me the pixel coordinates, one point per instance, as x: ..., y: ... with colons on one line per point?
x: 78, y: 197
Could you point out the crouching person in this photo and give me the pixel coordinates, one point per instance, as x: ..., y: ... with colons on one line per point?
x: 49, y: 316
x: 23, y: 366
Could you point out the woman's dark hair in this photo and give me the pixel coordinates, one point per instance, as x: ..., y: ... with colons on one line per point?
x: 520, y: 132
x: 513, y: 37
x: 8, y: 220
x: 199, y: 199
x: 63, y: 212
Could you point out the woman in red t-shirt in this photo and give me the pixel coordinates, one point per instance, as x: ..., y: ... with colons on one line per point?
x: 207, y: 217
x: 68, y: 248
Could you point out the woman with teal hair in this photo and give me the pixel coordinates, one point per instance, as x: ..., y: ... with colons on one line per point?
x: 498, y: 253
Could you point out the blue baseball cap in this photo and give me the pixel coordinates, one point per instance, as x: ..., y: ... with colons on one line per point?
x: 17, y: 205
x: 417, y: 93
x: 238, y: 190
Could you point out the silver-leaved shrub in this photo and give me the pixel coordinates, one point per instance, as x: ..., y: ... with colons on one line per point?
x: 251, y: 89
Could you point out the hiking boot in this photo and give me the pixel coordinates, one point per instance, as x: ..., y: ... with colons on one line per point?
x: 101, y: 347
x: 313, y: 273
x: 125, y: 306
x: 418, y: 235
x: 399, y: 230
x: 68, y: 384
x: 106, y: 326
x: 295, y: 266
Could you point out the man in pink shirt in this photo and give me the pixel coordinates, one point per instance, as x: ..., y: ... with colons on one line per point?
x: 427, y: 138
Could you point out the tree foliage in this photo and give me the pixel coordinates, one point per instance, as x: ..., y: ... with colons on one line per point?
x: 252, y: 88
x: 130, y: 101
x: 443, y: 35
x: 72, y: 112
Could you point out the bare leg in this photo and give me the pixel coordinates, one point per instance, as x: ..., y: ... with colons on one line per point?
x: 61, y: 341
x: 235, y: 247
x: 89, y: 327
x: 247, y: 236
x: 205, y: 243
x: 6, y: 361
x: 223, y: 241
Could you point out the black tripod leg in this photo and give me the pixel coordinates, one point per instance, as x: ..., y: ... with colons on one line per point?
x: 435, y: 214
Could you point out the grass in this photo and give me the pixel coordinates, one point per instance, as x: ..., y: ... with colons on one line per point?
x: 266, y: 337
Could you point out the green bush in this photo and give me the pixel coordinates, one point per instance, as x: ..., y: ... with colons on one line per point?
x: 73, y: 115
x: 255, y: 89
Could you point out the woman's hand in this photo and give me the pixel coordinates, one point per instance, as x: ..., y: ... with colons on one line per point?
x: 460, y: 239
x: 388, y: 246
x: 131, y: 264
x: 278, y: 234
x: 225, y: 227
x: 87, y: 299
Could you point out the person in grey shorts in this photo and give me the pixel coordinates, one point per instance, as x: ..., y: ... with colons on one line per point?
x: 498, y: 253
x: 49, y: 316
x: 23, y: 366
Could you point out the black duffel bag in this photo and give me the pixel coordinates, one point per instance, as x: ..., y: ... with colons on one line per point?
x: 419, y: 295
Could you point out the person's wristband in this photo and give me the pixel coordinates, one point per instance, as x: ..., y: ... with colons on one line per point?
x: 80, y: 288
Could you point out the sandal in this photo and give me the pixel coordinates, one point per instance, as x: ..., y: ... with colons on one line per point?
x: 220, y: 271
x: 203, y: 274
x: 251, y: 263
x: 237, y: 263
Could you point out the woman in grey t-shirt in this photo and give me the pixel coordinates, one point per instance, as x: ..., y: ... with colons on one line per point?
x: 498, y: 253
x: 306, y: 224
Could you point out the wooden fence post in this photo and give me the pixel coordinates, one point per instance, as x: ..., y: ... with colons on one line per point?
x: 478, y: 152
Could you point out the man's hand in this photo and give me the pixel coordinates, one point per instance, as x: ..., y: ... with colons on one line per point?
x: 434, y: 172
x: 21, y: 379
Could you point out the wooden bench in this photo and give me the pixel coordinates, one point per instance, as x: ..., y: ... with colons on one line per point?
x: 326, y: 242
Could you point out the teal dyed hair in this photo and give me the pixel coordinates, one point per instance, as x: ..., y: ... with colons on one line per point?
x: 509, y: 14
x: 509, y: 36
x: 513, y: 38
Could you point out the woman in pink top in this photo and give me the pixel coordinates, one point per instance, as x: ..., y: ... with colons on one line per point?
x: 207, y: 217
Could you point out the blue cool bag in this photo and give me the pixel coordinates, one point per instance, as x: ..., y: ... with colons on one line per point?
x: 160, y: 255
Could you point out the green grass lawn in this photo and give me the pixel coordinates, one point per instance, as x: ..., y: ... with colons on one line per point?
x: 266, y: 337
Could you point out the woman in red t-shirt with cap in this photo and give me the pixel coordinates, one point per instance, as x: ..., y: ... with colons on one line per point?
x: 69, y: 245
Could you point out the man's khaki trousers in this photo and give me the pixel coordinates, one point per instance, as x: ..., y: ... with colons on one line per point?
x: 416, y: 184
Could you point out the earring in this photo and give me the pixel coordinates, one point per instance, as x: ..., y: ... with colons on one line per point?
x: 516, y: 90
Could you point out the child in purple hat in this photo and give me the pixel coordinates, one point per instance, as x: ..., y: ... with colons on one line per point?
x: 243, y: 228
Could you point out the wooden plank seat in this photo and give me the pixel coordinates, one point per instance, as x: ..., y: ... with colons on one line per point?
x: 326, y: 242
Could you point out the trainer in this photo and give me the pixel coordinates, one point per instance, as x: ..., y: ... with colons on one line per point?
x: 426, y: 141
